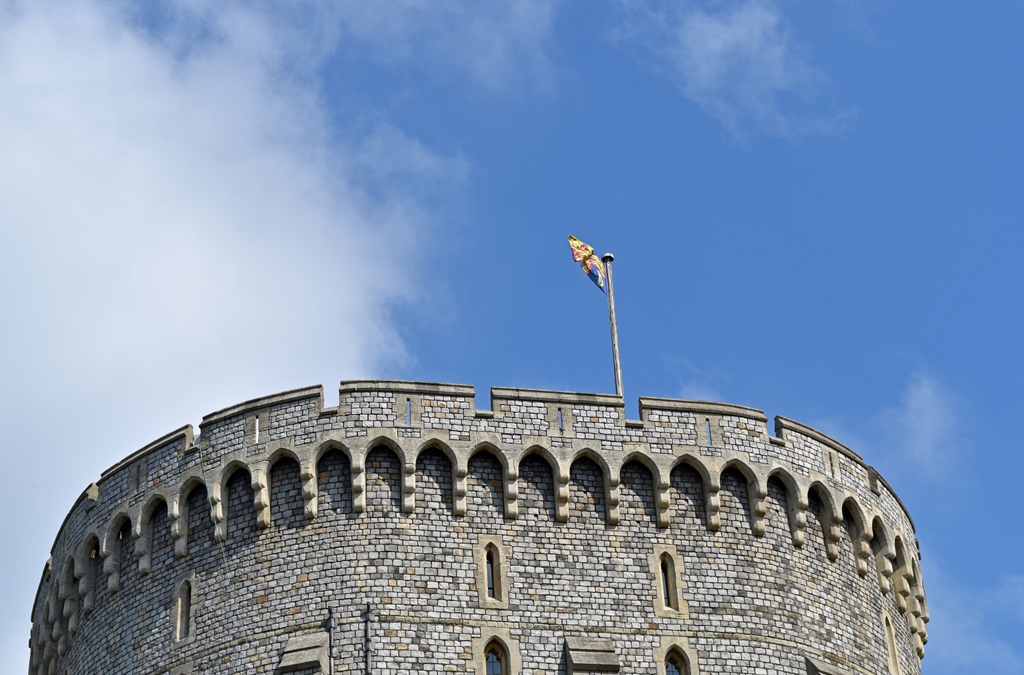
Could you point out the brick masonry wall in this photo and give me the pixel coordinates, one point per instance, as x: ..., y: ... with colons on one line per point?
x: 385, y: 500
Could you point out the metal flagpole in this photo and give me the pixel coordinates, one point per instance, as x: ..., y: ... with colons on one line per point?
x: 607, y: 259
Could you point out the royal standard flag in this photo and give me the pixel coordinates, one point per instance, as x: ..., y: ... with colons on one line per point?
x: 590, y: 263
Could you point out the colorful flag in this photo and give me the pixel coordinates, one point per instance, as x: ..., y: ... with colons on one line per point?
x: 590, y: 263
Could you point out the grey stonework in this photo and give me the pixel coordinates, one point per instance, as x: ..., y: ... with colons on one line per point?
x: 787, y: 550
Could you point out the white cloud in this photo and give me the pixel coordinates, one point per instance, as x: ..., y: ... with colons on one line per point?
x: 924, y: 427
x: 500, y: 45
x: 182, y: 230
x: 697, y: 383
x: 737, y: 60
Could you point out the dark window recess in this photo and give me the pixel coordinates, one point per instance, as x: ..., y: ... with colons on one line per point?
x: 495, y: 660
x: 490, y: 575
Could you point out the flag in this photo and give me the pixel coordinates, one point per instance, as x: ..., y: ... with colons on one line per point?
x: 590, y: 263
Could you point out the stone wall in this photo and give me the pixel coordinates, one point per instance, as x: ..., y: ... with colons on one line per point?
x: 223, y: 553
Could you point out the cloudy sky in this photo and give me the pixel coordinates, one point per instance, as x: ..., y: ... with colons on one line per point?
x: 815, y: 208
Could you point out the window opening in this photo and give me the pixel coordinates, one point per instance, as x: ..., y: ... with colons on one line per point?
x: 560, y: 419
x: 707, y: 428
x: 668, y: 586
x: 408, y: 412
x: 890, y: 641
x: 490, y: 573
x: 495, y: 661
x: 666, y: 594
x: 672, y: 666
x: 257, y: 428
x: 184, y: 610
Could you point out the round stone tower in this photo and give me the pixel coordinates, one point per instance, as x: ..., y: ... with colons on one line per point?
x: 405, y: 531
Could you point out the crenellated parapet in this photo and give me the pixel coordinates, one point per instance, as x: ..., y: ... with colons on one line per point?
x: 850, y: 500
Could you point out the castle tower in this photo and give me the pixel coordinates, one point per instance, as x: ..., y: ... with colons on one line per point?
x: 547, y: 535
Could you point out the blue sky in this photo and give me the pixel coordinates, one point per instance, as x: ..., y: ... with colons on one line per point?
x: 815, y: 209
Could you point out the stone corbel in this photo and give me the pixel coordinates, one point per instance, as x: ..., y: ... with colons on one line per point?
x: 220, y: 526
x: 261, y: 495
x: 914, y: 607
x: 69, y: 594
x: 662, y: 502
x: 86, y: 584
x: 179, y: 525
x: 142, y: 533
x: 71, y: 614
x: 358, y: 484
x: 49, y: 654
x: 797, y: 518
x: 902, y: 590
x: 713, y: 504
x: 883, y: 563
x: 612, y: 502
x: 511, y: 494
x: 862, y: 549
x: 562, y: 496
x: 459, y: 490
x: 307, y: 473
x: 408, y: 488
x: 835, y: 534
x: 757, y: 493
x: 57, y: 630
x: 110, y: 568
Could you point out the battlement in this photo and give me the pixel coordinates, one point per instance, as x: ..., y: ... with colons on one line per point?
x: 517, y: 416
x: 717, y: 442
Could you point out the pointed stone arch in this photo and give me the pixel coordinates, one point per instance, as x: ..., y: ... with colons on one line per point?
x: 529, y: 467
x: 703, y: 476
x: 68, y: 585
x: 609, y: 480
x: 581, y: 479
x: 178, y: 511
x: 111, y: 548
x: 756, y: 492
x: 510, y: 477
x: 238, y: 506
x: 435, y: 481
x: 334, y: 478
x: 796, y: 503
x: 639, y: 478
x: 830, y: 517
x: 901, y: 573
x: 286, y: 490
x: 88, y: 569
x: 391, y: 444
x: 884, y: 551
x: 478, y: 471
x: 857, y: 526
x: 711, y: 484
x: 382, y: 478
x: 409, y: 484
x: 143, y: 531
x: 329, y: 446
x: 218, y: 496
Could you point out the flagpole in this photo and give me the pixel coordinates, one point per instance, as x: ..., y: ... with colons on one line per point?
x: 607, y: 259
